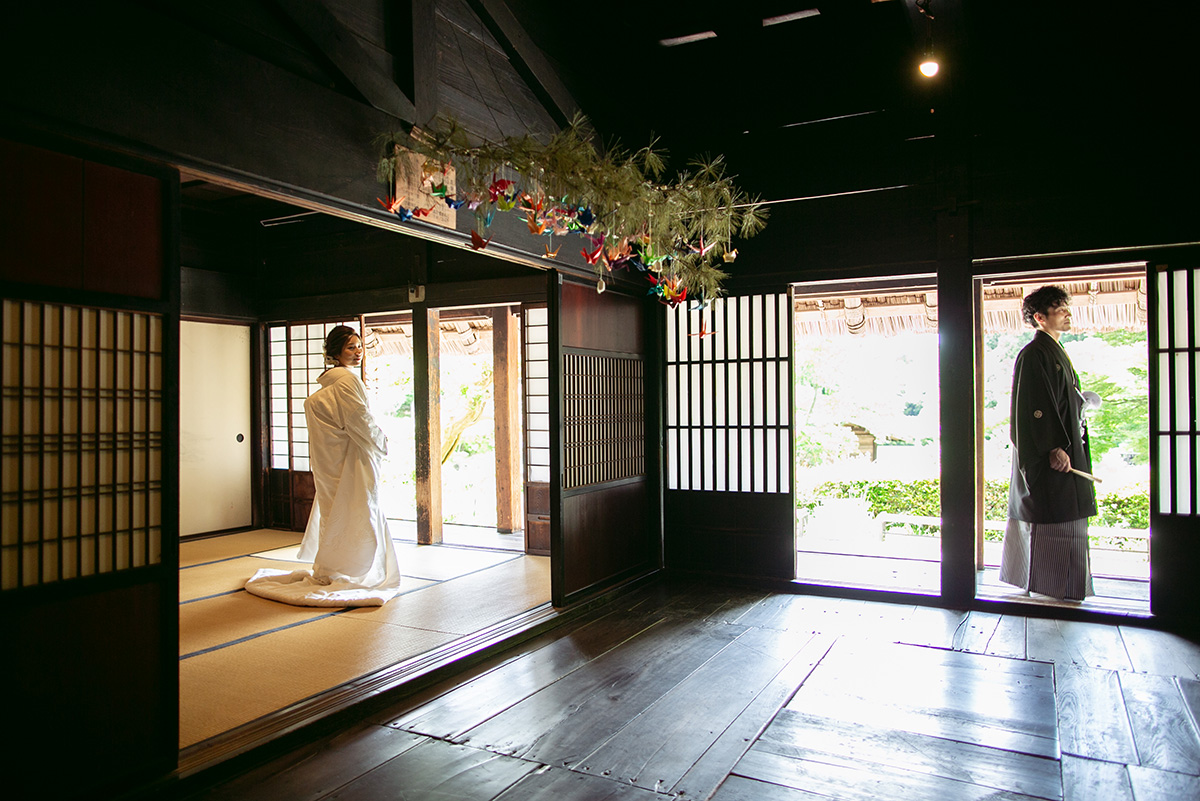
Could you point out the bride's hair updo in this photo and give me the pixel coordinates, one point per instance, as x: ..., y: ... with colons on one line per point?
x: 336, y: 340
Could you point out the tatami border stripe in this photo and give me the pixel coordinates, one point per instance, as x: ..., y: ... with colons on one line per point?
x: 256, y: 635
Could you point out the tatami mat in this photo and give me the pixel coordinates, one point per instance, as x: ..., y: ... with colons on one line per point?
x: 245, y: 657
x: 215, y: 578
x: 432, y: 562
x: 229, y: 618
x: 195, y: 552
x: 226, y: 688
x: 470, y: 603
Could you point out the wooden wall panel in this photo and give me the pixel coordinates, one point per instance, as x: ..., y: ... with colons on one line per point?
x: 736, y: 534
x: 606, y: 535
x: 609, y: 322
x: 83, y: 675
x: 76, y: 224
x: 304, y: 493
x: 41, y: 216
x: 122, y: 242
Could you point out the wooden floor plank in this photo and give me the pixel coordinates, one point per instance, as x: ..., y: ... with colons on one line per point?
x: 436, y: 769
x: 473, y: 702
x: 801, y: 613
x: 852, y: 653
x: 1161, y: 723
x: 557, y: 784
x: 970, y: 698
x: 739, y: 788
x: 933, y: 627
x: 316, y: 770
x: 798, y: 735
x: 1010, y: 638
x: 561, y: 723
x: 1072, y: 642
x: 660, y: 745
x: 1092, y: 720
x: 1160, y: 785
x: 702, y: 691
x: 977, y: 632
x: 716, y: 763
x: 1161, y: 652
x: 871, y: 783
x: 1191, y: 699
x: 1091, y: 780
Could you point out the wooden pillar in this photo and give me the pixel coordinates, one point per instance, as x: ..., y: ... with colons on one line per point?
x: 427, y: 419
x: 980, y: 400
x: 956, y: 365
x: 506, y: 387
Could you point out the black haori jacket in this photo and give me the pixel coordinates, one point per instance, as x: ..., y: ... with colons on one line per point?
x: 1047, y: 413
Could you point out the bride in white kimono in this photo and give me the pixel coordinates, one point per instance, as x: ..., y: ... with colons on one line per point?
x: 347, y: 538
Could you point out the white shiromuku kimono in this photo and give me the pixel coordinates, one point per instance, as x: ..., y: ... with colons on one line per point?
x: 347, y: 538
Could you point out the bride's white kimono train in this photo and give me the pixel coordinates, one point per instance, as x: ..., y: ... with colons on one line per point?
x: 347, y: 538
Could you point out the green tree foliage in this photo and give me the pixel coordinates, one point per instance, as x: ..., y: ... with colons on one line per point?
x: 1123, y: 420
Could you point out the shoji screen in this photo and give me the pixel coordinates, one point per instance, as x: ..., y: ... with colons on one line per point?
x: 297, y: 356
x: 1177, y: 386
x: 728, y: 505
x: 729, y: 395
x: 535, y: 331
x: 83, y: 442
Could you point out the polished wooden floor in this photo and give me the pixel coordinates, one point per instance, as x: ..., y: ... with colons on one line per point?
x: 684, y: 690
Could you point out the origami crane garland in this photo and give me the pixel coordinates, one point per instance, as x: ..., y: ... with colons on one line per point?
x: 677, y: 234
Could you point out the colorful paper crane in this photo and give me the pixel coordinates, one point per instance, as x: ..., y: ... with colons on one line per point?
x: 536, y: 227
x: 392, y: 203
x: 498, y: 187
x: 595, y: 255
x: 477, y: 241
x: 668, y: 290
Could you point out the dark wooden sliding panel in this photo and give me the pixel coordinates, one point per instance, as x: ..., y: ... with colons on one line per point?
x: 89, y: 323
x: 606, y: 530
x: 1175, y: 442
x: 729, y: 504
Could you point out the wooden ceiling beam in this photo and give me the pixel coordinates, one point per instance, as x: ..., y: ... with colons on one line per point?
x: 341, y: 46
x: 528, y: 59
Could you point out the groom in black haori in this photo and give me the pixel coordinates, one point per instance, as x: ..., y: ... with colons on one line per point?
x: 1050, y: 495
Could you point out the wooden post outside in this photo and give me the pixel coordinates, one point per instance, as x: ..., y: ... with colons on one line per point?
x: 427, y: 419
x: 980, y: 478
x: 506, y: 354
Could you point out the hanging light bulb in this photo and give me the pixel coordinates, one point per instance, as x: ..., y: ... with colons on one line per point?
x: 929, y: 65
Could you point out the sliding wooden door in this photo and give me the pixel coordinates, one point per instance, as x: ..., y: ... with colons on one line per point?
x: 606, y: 529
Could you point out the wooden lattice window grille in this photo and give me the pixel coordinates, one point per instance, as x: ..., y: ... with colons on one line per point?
x: 1177, y: 381
x: 296, y: 353
x: 535, y: 331
x: 82, y: 442
x: 604, y: 434
x: 729, y: 395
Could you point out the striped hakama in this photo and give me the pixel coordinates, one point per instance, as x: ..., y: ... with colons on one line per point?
x: 1048, y: 558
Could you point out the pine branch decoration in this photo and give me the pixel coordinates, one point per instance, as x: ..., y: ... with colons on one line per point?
x: 677, y: 232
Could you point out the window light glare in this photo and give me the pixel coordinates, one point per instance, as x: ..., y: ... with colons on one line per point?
x: 795, y: 15
x: 692, y: 37
x: 929, y: 67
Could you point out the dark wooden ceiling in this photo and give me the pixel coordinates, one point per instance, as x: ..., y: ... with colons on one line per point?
x: 795, y: 105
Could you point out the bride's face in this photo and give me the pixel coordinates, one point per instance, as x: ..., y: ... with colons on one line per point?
x: 352, y: 352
